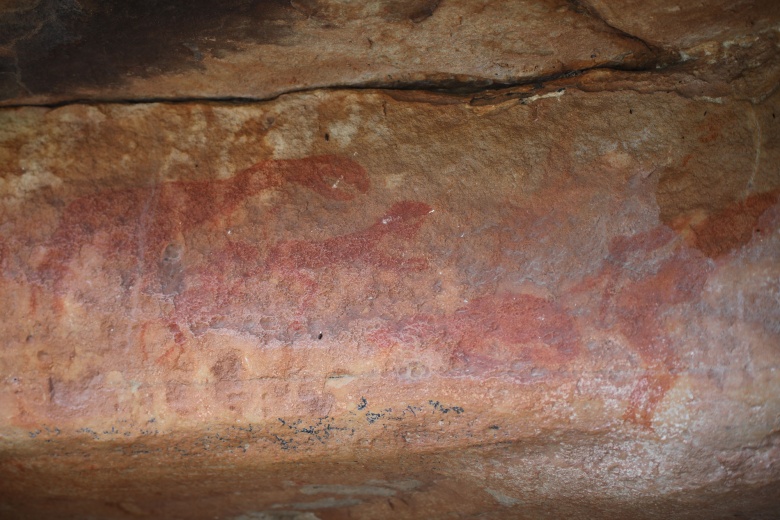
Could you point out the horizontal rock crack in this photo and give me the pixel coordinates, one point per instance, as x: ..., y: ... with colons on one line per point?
x: 465, y: 90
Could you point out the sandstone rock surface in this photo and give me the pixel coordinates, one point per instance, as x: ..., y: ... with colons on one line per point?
x: 64, y: 50
x: 556, y: 299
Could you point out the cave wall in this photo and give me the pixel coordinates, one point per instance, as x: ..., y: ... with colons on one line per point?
x: 325, y: 259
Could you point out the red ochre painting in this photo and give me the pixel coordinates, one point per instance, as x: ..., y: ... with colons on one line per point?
x: 267, y: 291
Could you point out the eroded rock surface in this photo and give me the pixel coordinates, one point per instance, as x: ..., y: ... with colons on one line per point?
x: 552, y: 300
x: 65, y: 50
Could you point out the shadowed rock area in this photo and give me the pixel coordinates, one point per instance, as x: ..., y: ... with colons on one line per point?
x: 324, y: 259
x: 55, y: 52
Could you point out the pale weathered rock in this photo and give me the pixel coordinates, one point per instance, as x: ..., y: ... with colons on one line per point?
x: 553, y: 300
x: 686, y: 25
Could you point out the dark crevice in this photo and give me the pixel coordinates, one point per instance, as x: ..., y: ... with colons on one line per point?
x: 646, y: 57
x: 582, y: 7
x: 465, y: 90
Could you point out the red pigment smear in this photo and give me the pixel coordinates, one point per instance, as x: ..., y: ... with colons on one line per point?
x: 235, y: 272
x: 622, y: 248
x: 403, y: 219
x: 680, y: 279
x: 635, y: 301
x: 178, y: 335
x: 140, y: 222
x: 644, y: 398
x: 732, y: 227
x: 713, y: 132
x: 517, y: 320
x: 142, y: 340
x: 332, y: 176
x: 171, y: 356
x: 222, y: 282
x: 493, y: 330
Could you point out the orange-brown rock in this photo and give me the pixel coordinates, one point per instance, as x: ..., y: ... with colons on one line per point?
x: 405, y: 277
x: 559, y: 299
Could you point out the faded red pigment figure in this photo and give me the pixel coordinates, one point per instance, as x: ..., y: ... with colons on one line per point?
x: 223, y: 297
x: 139, y: 223
x: 733, y: 226
x: 403, y: 219
x: 644, y: 277
x: 493, y: 331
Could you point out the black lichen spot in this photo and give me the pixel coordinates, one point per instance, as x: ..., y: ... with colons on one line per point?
x: 362, y: 403
x: 373, y: 417
x: 438, y: 406
x: 89, y: 431
x: 286, y: 444
x: 494, y: 427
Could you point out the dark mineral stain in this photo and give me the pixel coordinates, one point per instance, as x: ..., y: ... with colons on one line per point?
x: 62, y: 46
x: 415, y: 10
x: 65, y: 45
x: 9, y: 85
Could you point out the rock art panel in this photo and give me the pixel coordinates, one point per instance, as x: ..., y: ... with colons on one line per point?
x: 320, y: 259
x: 454, y: 287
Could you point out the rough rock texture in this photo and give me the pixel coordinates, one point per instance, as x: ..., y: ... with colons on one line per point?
x: 60, y: 50
x: 557, y: 299
x: 54, y: 51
